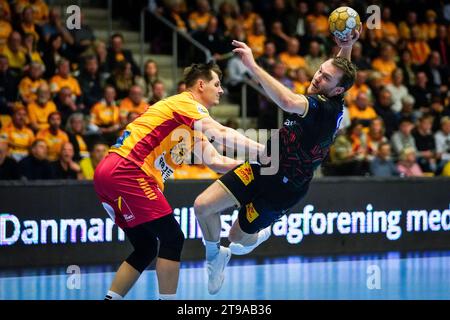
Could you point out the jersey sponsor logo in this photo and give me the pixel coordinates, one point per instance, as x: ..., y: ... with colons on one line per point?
x: 163, y: 167
x: 179, y: 152
x: 290, y: 123
x: 125, y: 209
x: 245, y: 173
x: 252, y: 214
x: 202, y: 109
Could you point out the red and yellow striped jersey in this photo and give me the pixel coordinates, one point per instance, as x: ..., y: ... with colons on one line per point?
x: 160, y: 139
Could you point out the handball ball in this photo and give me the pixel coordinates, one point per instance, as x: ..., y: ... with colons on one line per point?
x: 343, y: 21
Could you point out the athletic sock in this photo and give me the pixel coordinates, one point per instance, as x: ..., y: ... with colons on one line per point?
x: 212, y: 249
x: 167, y: 296
x: 113, y: 296
x: 263, y: 235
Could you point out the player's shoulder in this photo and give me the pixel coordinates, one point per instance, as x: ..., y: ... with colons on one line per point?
x: 185, y: 102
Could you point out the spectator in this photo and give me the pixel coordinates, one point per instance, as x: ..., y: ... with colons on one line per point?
x: 211, y: 38
x: 90, y: 81
x: 54, y: 52
x: 63, y: 79
x: 227, y: 16
x: 105, y: 115
x: 15, y: 54
x: 83, y: 37
x: 362, y: 110
x: 40, y: 110
x: 320, y: 18
x: 28, y: 25
x: 257, y: 38
x: 407, y: 166
x: 88, y: 165
x: 442, y: 141
x: 117, y: 55
x: 375, y: 136
x: 18, y: 135
x: 421, y: 94
x: 237, y: 73
x: 437, y: 74
x: 198, y: 19
x: 278, y: 36
x: 403, y: 138
x: 30, y: 47
x: 133, y: 103
x: 420, y: 50
x: 247, y: 17
x: 423, y: 136
x: 9, y: 169
x: 408, y: 108
x: 53, y: 136
x: 76, y: 130
x: 383, y: 108
x: 405, y: 27
x: 8, y: 88
x: 314, y: 58
x: 159, y: 92
x: 29, y: 85
x: 388, y: 30
x: 441, y: 44
x: 348, y: 154
x: 291, y: 59
x: 429, y: 27
x: 408, y: 68
x: 39, y: 9
x: 150, y: 76
x: 301, y: 81
x: 385, y: 63
x: 66, y: 103
x: 268, y: 59
x: 5, y: 25
x: 65, y: 167
x: 359, y: 86
x: 297, y: 25
x: 36, y: 166
x: 397, y: 89
x: 181, y: 87
x: 54, y: 26
x: 123, y: 79
x: 382, y: 165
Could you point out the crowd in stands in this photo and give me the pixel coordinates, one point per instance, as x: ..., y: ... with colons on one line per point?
x: 66, y: 96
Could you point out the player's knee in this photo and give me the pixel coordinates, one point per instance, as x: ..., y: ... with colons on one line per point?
x: 141, y: 258
x: 170, y: 247
x: 201, y: 207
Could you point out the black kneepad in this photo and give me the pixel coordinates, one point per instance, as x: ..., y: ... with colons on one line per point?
x: 141, y: 258
x: 171, y: 244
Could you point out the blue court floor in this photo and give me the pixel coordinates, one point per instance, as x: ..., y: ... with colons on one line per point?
x: 408, y: 276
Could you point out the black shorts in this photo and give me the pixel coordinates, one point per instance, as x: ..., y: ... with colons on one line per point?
x: 263, y: 199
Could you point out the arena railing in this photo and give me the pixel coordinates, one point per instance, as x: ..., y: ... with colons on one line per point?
x: 175, y: 34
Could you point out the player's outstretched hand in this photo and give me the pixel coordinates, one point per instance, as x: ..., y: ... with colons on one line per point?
x: 245, y: 53
x: 350, y: 40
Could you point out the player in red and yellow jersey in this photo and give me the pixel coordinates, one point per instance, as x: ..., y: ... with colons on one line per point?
x: 130, y: 180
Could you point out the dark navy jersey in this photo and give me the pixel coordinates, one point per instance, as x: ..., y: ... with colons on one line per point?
x: 305, y: 140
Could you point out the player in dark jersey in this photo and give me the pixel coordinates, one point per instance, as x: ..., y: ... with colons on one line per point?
x: 304, y: 141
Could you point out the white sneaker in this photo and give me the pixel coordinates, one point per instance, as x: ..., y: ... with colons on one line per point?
x: 239, y: 250
x: 216, y: 269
